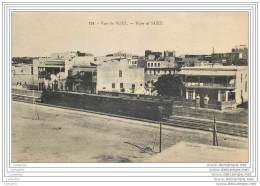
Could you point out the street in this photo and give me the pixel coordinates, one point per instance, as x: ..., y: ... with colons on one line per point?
x: 62, y: 135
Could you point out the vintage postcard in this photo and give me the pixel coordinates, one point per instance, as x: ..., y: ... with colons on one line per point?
x: 130, y: 87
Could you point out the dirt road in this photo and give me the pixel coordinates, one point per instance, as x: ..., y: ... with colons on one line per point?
x: 62, y: 135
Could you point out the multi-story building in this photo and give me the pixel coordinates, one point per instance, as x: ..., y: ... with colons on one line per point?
x: 82, y: 78
x: 155, y: 69
x: 158, y: 64
x: 121, y: 76
x: 52, y: 72
x: 216, y: 85
x: 242, y: 51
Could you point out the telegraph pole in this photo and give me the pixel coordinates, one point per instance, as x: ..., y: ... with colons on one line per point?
x: 160, y: 145
x: 160, y: 108
x: 215, y: 137
x: 35, y: 113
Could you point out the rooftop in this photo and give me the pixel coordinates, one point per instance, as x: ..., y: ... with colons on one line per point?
x: 215, y: 67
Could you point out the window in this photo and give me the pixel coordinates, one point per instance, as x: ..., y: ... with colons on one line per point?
x: 148, y: 65
x: 246, y: 86
x: 159, y: 64
x: 113, y: 85
x: 155, y: 64
x: 82, y: 73
x: 120, y: 73
x: 121, y: 85
x: 241, y: 78
x: 190, y: 94
x: 151, y: 64
x: 31, y: 70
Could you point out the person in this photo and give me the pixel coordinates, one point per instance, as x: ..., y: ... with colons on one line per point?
x: 206, y: 101
x: 197, y: 100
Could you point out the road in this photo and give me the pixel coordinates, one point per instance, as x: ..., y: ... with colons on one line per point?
x: 62, y: 135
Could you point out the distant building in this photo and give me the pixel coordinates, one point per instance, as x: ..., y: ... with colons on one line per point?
x: 168, y: 53
x: 242, y: 51
x: 153, y: 55
x: 193, y: 59
x: 159, y: 56
x: 155, y: 69
x: 225, y: 58
x: 237, y: 56
x: 221, y: 86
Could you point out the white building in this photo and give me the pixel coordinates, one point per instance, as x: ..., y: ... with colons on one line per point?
x: 223, y: 85
x: 121, y: 76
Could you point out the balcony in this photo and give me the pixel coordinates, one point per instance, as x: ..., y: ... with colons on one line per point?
x: 209, y: 85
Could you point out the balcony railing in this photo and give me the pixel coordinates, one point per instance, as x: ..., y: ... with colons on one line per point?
x: 209, y: 85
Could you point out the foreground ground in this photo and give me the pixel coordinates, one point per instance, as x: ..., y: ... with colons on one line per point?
x: 70, y: 136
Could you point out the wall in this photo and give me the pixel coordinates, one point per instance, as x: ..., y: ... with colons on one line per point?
x: 240, y: 85
x: 22, y: 74
x: 147, y: 109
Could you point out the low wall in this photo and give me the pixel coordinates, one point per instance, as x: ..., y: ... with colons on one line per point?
x: 26, y: 92
x: 147, y: 109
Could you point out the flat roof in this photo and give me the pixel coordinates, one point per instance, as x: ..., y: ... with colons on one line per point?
x: 216, y: 67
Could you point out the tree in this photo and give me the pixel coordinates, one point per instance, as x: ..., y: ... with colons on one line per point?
x: 168, y: 85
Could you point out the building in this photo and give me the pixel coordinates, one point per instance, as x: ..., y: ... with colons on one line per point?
x: 49, y: 72
x: 193, y: 59
x: 242, y: 51
x: 225, y: 58
x: 150, y: 55
x: 121, y: 76
x: 52, y: 72
x: 215, y: 86
x: 159, y: 56
x: 82, y: 78
x: 237, y: 56
x: 155, y: 69
x: 23, y: 76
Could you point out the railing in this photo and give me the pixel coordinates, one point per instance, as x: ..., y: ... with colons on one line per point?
x: 219, y: 85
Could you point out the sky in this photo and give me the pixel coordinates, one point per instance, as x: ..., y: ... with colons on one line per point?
x: 43, y: 33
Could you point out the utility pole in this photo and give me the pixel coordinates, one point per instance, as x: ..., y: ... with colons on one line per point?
x: 35, y: 113
x: 215, y: 136
x: 160, y: 108
x: 160, y: 145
